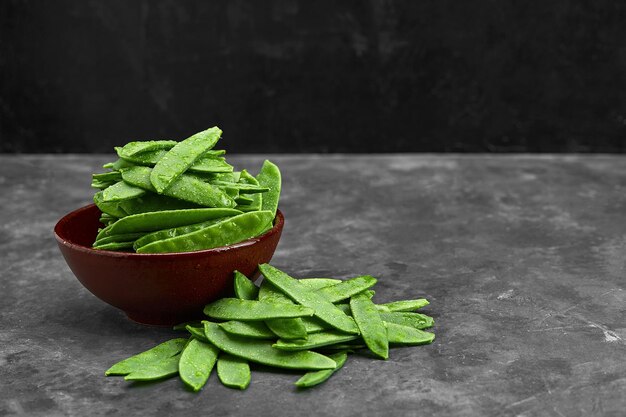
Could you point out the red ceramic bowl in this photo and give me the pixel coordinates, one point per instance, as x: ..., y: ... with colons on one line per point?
x: 164, y: 288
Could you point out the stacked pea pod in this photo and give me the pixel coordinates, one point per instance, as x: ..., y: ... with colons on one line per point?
x: 167, y: 196
x: 300, y: 324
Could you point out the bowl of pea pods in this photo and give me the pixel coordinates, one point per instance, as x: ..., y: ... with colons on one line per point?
x: 171, y: 222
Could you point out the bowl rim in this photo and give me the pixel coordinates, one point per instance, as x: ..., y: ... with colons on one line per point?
x: 279, y: 221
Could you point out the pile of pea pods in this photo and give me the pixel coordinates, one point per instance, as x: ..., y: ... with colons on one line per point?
x: 168, y: 196
x: 309, y: 325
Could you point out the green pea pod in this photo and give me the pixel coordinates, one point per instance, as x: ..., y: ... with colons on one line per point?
x: 163, y: 351
x: 262, y: 352
x: 209, y: 163
x: 284, y: 328
x: 227, y: 232
x: 181, y: 157
x: 134, y: 148
x: 127, y: 237
x: 370, y: 324
x: 316, y: 340
x: 237, y: 309
x: 324, y: 309
x: 155, y: 370
x: 117, y: 165
x: 110, y: 208
x: 196, y: 363
x: 233, y: 372
x: 184, y: 187
x: 408, y: 336
x: 158, y: 220
x: 244, y: 200
x: 318, y: 283
x: 114, y: 246
x: 112, y: 176
x: 251, y: 329
x: 270, y: 177
x: 244, y: 288
x: 313, y: 378
x: 154, y: 202
x: 346, y: 289
x: 171, y: 232
x: 416, y: 320
x: 404, y: 305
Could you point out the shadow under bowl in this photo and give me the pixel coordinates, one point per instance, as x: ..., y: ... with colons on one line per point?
x: 164, y: 288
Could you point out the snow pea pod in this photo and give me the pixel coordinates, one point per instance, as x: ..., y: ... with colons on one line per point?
x: 196, y: 363
x: 370, y: 324
x: 163, y: 351
x: 251, y: 329
x: 244, y: 288
x: 154, y: 202
x: 134, y: 148
x: 403, y: 305
x: 121, y: 191
x: 270, y: 177
x: 408, y: 336
x: 112, y: 176
x: 226, y: 232
x: 127, y: 237
x: 114, y: 246
x: 315, y: 340
x: 237, y: 309
x: 155, y: 370
x: 284, y: 328
x: 346, y: 289
x: 117, y: 165
x: 111, y: 208
x: 209, y: 163
x: 172, y: 232
x: 313, y: 378
x: 416, y: 320
x: 324, y: 309
x: 262, y: 352
x: 178, y: 159
x: 233, y: 372
x: 184, y: 187
x: 317, y: 283
x: 158, y: 220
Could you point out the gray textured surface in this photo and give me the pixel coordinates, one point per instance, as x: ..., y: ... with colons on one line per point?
x: 522, y: 259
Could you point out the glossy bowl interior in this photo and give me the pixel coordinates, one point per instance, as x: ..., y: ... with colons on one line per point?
x: 158, y: 289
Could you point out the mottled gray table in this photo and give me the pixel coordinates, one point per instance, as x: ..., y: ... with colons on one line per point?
x: 522, y: 257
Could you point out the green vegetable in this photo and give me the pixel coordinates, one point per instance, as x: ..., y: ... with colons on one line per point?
x: 416, y: 320
x: 173, y: 232
x: 262, y: 352
x: 234, y: 372
x: 316, y: 340
x: 270, y: 177
x: 324, y: 310
x: 236, y: 309
x: 313, y: 378
x: 404, y: 335
x: 181, y: 157
x: 370, y: 324
x: 225, y: 232
x: 404, y: 305
x: 158, y: 353
x: 346, y: 289
x: 252, y: 329
x: 155, y: 370
x: 196, y: 363
x: 244, y: 288
x: 284, y: 328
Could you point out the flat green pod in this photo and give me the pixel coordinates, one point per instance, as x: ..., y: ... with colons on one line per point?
x: 154, y: 202
x: 134, y: 148
x: 227, y: 232
x: 121, y: 191
x: 155, y: 370
x: 270, y: 177
x: 251, y: 310
x: 107, y: 207
x: 196, y: 363
x: 251, y: 329
x: 398, y: 334
x: 345, y: 289
x: 127, y: 237
x: 317, y: 283
x: 244, y: 288
x: 159, y: 220
x: 184, y: 187
x: 324, y: 309
x: 183, y: 155
x: 163, y: 351
x: 310, y: 379
x: 172, y: 232
x: 373, y: 331
x: 283, y: 328
x: 316, y: 340
x: 262, y: 352
x: 404, y: 305
x: 416, y: 320
x: 233, y: 371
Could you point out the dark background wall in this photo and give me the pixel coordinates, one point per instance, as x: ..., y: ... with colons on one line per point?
x: 324, y: 76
